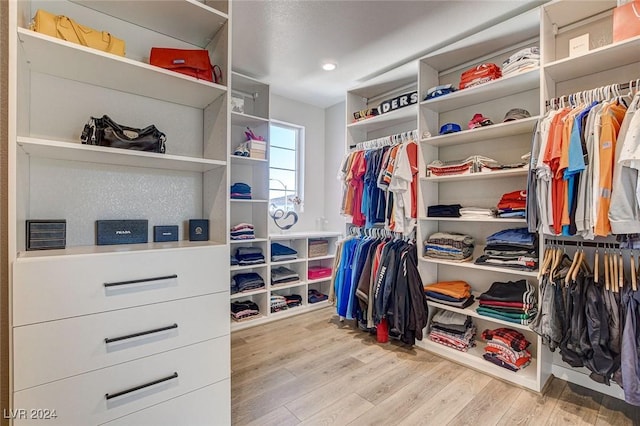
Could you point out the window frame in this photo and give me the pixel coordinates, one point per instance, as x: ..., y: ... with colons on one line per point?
x: 299, y: 160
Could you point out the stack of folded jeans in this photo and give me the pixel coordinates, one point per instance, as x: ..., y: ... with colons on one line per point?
x: 282, y: 275
x: 243, y: 231
x: 281, y: 252
x: 246, y: 281
x: 244, y: 309
x: 513, y: 204
x: 523, y: 60
x: 444, y: 210
x: 240, y: 191
x: 513, y: 301
x: 449, y: 246
x: 249, y: 255
x: 293, y: 300
x: 278, y: 303
x: 315, y: 296
x: 506, y: 348
x: 453, y: 329
x: 511, y: 248
x: 451, y: 293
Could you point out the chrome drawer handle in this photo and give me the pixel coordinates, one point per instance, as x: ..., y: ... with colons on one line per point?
x: 108, y: 396
x: 141, y: 333
x: 144, y: 280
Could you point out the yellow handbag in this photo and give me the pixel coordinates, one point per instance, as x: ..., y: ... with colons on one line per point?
x: 60, y: 26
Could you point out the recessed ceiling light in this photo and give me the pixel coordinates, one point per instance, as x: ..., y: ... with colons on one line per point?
x: 328, y: 66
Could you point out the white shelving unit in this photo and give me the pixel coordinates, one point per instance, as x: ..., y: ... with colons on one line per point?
x: 505, y: 142
x: 129, y: 315
x: 300, y: 243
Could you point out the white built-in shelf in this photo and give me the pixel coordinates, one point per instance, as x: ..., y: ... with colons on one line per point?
x: 240, y: 119
x: 289, y: 311
x: 287, y: 285
x: 471, y: 311
x: 302, y: 235
x: 399, y: 116
x: 500, y: 130
x: 318, y: 305
x: 76, y: 151
x: 477, y: 219
x: 187, y: 20
x: 601, y: 59
x: 256, y: 201
x: 479, y: 250
x: 244, y: 267
x: 248, y: 293
x: 495, y: 89
x: 248, y: 322
x: 527, y: 377
x: 562, y: 13
x: 286, y: 262
x: 319, y: 280
x: 498, y: 174
x: 261, y: 319
x: 237, y: 159
x: 328, y: 256
x: 254, y: 240
x: 72, y: 61
x: 118, y: 248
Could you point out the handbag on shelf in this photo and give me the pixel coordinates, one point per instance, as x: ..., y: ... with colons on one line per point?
x: 67, y: 29
x: 191, y: 62
x: 626, y: 21
x: 106, y: 132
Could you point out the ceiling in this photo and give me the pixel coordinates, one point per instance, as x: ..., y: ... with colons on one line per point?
x: 284, y: 42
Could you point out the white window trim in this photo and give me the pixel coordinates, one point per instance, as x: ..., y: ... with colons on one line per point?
x: 300, y: 142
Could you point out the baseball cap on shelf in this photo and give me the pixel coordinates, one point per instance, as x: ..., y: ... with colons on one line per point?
x: 450, y: 128
x: 479, y: 120
x: 516, y: 114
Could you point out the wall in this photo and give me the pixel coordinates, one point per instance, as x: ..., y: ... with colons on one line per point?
x: 313, y: 120
x: 334, y: 151
x: 4, y: 209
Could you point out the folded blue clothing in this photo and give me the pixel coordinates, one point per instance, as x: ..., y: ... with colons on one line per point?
x: 512, y: 236
x: 240, y: 188
x: 278, y: 249
x: 245, y: 251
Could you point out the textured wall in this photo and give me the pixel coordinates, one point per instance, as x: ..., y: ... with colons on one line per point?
x: 4, y: 226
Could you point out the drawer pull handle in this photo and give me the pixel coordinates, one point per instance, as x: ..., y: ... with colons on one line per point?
x: 167, y: 277
x: 108, y: 396
x: 142, y: 333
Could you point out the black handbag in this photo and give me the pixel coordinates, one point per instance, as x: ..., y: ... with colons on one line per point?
x: 106, y: 132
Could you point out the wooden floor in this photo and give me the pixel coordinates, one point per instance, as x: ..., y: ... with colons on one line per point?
x: 312, y: 369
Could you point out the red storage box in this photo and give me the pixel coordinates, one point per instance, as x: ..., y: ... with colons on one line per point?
x: 317, y: 272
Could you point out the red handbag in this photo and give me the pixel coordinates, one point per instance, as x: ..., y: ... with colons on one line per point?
x: 194, y: 63
x: 626, y: 21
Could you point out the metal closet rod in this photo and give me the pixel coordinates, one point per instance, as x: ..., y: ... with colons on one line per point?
x: 561, y: 243
x: 385, y: 141
x: 620, y: 86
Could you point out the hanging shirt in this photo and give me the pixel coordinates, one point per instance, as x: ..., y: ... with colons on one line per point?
x: 358, y: 168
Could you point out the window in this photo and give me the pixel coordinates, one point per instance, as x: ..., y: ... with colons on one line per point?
x: 285, y: 171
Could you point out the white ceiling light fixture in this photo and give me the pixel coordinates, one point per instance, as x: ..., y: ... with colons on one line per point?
x: 329, y: 66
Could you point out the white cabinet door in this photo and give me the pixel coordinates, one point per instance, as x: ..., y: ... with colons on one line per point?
x: 113, y: 392
x: 58, y: 349
x: 50, y: 288
x: 205, y: 407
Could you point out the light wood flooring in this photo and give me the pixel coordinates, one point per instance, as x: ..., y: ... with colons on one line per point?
x: 312, y: 369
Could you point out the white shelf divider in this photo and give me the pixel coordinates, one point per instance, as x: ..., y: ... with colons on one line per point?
x: 402, y: 115
x: 478, y: 220
x: 499, y: 130
x: 498, y: 174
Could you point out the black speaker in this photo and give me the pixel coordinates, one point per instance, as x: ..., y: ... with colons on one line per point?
x: 198, y: 229
x: 122, y: 231
x: 46, y: 234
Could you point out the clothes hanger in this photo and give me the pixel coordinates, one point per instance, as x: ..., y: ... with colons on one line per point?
x: 607, y: 277
x: 545, y: 262
x: 620, y: 270
x: 572, y: 267
x: 596, y: 267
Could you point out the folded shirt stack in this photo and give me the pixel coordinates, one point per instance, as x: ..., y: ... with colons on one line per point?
x: 240, y: 191
x: 444, y: 210
x: 511, y: 248
x: 513, y: 301
x: 244, y: 309
x: 452, y: 293
x: 523, y: 60
x: 513, y: 204
x: 506, y: 348
x: 234, y: 261
x: 477, y: 212
x: 472, y: 164
x: 246, y: 281
x: 315, y: 296
x: 277, y: 303
x: 293, y: 300
x: 281, y: 252
x: 453, y: 329
x: 243, y: 231
x: 249, y: 255
x: 449, y: 246
x: 282, y: 275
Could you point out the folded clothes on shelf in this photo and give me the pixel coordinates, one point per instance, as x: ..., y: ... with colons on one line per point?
x: 245, y: 309
x: 246, y: 281
x: 523, y: 60
x: 506, y: 348
x: 451, y: 293
x: 512, y: 301
x: 277, y: 303
x: 249, y: 255
x: 293, y: 300
x: 477, y: 212
x: 452, y: 329
x: 316, y: 296
x: 472, y: 164
x: 449, y: 246
x: 479, y: 74
x: 282, y: 275
x: 280, y: 252
x: 515, y: 248
x: 243, y: 231
x: 240, y: 191
x: 513, y: 204
x: 444, y: 210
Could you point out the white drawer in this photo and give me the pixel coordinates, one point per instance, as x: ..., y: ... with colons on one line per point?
x: 209, y: 406
x: 50, y: 288
x: 90, y: 398
x: 57, y: 349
